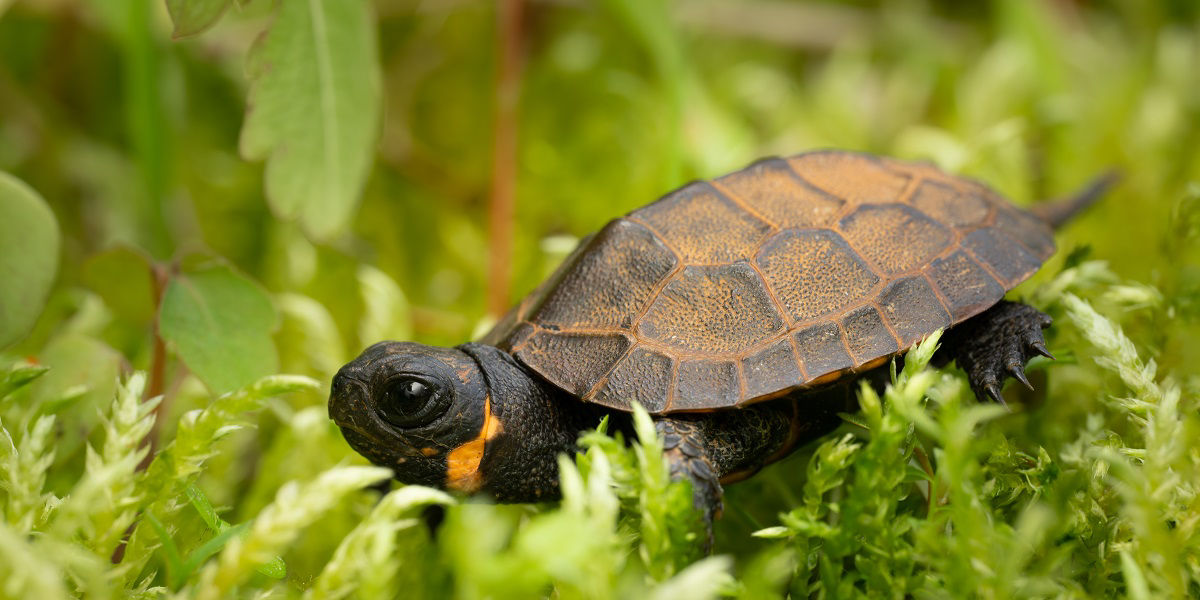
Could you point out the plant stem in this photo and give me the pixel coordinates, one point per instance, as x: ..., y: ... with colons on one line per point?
x: 158, y: 362
x: 504, y: 150
x: 927, y: 466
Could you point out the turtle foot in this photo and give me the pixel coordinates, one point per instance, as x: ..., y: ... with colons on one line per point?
x: 996, y: 345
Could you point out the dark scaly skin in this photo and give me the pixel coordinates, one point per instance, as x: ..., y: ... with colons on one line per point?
x: 996, y: 345
x: 540, y: 422
x: 533, y: 422
x: 710, y: 449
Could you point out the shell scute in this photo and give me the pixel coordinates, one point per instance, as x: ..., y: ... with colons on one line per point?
x: 692, y: 218
x: 643, y: 376
x: 775, y: 367
x: 1008, y: 259
x: 712, y: 310
x: 821, y: 349
x: 706, y: 384
x: 814, y: 272
x: 853, y: 177
x: 895, y: 237
x: 949, y: 205
x: 967, y: 288
x: 867, y: 336
x: 913, y: 309
x: 1027, y: 230
x: 610, y: 283
x: 571, y: 360
x: 771, y: 189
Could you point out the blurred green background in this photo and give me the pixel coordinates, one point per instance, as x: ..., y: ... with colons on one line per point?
x: 132, y: 137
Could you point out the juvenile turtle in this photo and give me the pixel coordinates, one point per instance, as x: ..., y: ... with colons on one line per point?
x: 737, y: 311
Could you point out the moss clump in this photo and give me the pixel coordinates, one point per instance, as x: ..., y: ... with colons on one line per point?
x: 1084, y: 489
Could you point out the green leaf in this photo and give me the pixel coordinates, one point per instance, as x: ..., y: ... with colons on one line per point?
x: 314, y: 110
x: 18, y: 376
x: 274, y: 568
x: 29, y: 243
x: 169, y: 549
x: 220, y: 323
x: 123, y: 277
x: 194, y: 16
x: 777, y: 531
x: 205, y: 508
x: 386, y: 314
x: 211, y: 547
x: 82, y: 377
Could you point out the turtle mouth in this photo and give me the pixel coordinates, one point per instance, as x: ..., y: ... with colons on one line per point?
x: 366, y: 445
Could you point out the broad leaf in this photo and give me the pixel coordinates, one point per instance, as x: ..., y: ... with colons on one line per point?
x: 194, y: 16
x: 123, y: 277
x: 220, y: 324
x: 29, y: 243
x: 314, y: 110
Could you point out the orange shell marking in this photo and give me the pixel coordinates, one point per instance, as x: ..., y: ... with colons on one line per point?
x: 462, y: 464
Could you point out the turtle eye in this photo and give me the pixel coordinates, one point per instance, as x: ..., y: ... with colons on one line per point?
x: 409, y: 402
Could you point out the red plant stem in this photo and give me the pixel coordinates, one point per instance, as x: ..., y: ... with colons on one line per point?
x: 504, y: 150
x: 159, y: 355
x: 158, y: 372
x: 158, y: 363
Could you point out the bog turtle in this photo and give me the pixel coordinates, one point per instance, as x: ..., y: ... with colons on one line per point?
x: 737, y: 311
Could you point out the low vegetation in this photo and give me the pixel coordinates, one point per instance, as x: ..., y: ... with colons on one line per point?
x: 171, y: 313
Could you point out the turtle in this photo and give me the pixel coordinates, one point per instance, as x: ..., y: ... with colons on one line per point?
x: 739, y: 312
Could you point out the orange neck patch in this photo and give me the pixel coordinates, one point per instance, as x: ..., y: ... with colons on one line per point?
x: 462, y: 464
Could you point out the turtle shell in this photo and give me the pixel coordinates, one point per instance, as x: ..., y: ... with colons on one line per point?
x: 787, y: 274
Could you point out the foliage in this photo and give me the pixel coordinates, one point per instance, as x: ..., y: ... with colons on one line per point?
x: 225, y: 349
x: 149, y: 446
x: 28, y: 253
x: 314, y: 111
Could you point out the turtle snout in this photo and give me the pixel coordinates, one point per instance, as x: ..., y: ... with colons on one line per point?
x: 346, y: 395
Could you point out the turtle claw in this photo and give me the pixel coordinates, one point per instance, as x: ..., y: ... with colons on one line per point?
x: 1018, y: 372
x: 993, y: 392
x: 1040, y: 348
x: 996, y: 345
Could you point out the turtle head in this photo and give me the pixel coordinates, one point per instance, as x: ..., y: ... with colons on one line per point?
x: 423, y: 411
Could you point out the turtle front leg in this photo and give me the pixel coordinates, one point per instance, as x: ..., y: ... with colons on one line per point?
x: 729, y: 445
x: 995, y: 345
x: 688, y: 458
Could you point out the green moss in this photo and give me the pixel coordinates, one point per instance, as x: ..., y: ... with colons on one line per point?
x: 924, y: 493
x: 1087, y: 487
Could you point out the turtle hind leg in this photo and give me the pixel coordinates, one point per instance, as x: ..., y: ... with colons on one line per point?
x: 995, y: 345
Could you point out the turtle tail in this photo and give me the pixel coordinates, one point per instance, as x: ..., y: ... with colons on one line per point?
x: 1058, y: 212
